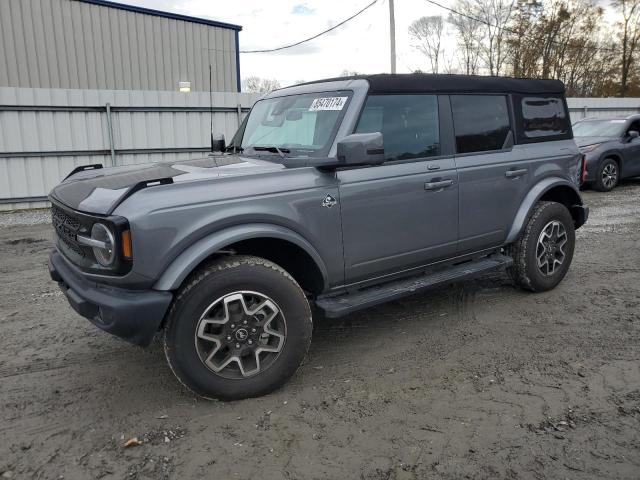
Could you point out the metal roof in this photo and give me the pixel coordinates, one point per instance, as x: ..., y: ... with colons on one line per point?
x: 160, y: 13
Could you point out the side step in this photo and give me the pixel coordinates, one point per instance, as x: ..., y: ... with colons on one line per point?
x: 346, y: 303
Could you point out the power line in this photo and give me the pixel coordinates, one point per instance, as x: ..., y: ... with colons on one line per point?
x: 506, y: 29
x: 315, y: 36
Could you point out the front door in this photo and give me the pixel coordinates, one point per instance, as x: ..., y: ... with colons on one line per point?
x: 631, y: 151
x: 404, y: 213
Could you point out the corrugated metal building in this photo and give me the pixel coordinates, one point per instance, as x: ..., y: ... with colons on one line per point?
x: 97, y: 44
x: 93, y: 81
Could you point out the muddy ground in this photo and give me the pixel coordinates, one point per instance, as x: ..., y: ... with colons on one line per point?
x: 478, y: 380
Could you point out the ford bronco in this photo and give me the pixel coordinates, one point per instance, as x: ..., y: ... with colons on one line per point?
x: 332, y: 196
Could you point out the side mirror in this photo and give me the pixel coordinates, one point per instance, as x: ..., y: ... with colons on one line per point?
x: 217, y: 143
x: 361, y: 149
x: 632, y: 134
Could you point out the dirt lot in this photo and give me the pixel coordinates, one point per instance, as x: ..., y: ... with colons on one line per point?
x: 478, y: 380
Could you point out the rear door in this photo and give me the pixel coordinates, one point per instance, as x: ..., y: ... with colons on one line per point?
x: 403, y: 213
x: 493, y: 175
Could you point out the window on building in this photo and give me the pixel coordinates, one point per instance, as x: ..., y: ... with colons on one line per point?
x: 408, y: 123
x: 481, y: 122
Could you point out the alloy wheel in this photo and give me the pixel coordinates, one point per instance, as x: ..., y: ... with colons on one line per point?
x: 610, y: 175
x: 240, y: 334
x: 550, y: 249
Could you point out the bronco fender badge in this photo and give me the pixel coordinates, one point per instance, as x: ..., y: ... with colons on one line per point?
x: 329, y: 201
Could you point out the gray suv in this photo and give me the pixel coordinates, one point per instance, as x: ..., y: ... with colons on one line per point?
x: 333, y: 196
x: 612, y: 149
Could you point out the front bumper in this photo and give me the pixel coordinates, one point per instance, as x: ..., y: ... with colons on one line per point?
x: 129, y: 314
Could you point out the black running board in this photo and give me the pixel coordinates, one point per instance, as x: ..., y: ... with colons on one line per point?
x: 346, y: 303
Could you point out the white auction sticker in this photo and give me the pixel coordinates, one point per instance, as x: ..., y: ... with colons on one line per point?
x: 328, y: 103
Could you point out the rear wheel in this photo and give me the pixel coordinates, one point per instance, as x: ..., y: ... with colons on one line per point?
x: 544, y: 249
x: 240, y: 327
x: 607, y: 175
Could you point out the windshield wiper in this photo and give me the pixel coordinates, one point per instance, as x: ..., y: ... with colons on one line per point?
x: 234, y: 148
x: 274, y: 149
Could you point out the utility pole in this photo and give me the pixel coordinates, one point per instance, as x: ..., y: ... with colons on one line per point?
x: 392, y: 34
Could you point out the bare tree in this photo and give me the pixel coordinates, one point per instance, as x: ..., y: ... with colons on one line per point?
x: 565, y: 39
x: 427, y: 33
x: 259, y: 85
x: 629, y: 28
x: 469, y: 36
x: 495, y: 15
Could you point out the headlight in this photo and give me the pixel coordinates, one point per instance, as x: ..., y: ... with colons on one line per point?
x: 104, y: 245
x: 589, y: 148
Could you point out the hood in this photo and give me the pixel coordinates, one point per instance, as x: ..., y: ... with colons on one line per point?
x: 102, y: 190
x: 584, y: 141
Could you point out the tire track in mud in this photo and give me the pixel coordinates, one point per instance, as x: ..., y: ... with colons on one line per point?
x: 61, y: 363
x: 417, y: 315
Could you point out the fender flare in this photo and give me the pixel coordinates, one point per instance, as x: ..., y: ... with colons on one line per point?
x: 189, y: 259
x: 530, y: 200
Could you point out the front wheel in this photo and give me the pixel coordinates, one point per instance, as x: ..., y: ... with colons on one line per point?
x: 544, y: 249
x: 607, y: 175
x: 239, y: 327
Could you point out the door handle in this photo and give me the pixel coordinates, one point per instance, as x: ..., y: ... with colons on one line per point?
x: 438, y: 185
x: 515, y: 173
x: 433, y: 166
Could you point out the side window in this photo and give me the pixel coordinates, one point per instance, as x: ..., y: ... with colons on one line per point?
x: 481, y: 122
x: 541, y: 118
x: 408, y: 123
x: 634, y: 126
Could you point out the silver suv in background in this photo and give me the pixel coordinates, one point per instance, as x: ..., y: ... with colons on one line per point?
x: 612, y: 149
x: 333, y: 196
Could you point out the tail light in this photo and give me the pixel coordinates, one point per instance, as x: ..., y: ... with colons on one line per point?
x: 583, y: 169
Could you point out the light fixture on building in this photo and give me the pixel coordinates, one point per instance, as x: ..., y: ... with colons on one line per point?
x: 184, y: 87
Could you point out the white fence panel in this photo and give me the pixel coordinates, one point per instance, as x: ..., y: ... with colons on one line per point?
x: 45, y: 133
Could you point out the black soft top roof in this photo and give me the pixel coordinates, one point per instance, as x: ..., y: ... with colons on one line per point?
x: 434, y: 83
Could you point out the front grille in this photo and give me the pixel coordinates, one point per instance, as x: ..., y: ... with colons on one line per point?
x: 67, y: 228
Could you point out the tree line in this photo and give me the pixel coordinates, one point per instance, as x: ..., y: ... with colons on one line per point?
x: 569, y: 40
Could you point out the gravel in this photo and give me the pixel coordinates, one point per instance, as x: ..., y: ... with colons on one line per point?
x: 25, y: 217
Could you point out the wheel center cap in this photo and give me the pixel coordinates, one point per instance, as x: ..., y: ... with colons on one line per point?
x: 241, y: 334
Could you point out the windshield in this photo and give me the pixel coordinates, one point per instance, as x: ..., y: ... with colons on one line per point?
x: 302, y: 125
x: 598, y: 128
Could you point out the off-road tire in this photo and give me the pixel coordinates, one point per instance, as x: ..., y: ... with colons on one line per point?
x: 599, y: 183
x: 219, y: 278
x: 525, y: 272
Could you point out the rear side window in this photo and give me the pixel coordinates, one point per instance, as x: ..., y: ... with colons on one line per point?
x: 541, y: 118
x: 408, y: 123
x: 481, y: 122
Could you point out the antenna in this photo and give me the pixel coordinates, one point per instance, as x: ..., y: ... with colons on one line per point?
x: 211, y: 105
